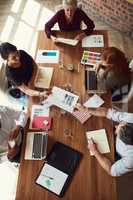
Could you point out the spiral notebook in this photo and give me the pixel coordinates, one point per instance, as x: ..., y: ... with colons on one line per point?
x: 57, y: 172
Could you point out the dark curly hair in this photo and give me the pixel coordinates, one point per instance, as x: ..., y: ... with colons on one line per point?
x: 7, y: 48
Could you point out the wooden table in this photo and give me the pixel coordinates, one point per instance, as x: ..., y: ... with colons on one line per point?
x: 90, y: 181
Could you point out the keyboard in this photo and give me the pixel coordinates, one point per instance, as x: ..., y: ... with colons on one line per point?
x: 39, y: 146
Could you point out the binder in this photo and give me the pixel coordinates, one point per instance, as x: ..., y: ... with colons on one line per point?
x: 57, y: 172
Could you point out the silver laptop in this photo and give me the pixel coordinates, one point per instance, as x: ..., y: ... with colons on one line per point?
x: 92, y: 83
x: 36, y: 145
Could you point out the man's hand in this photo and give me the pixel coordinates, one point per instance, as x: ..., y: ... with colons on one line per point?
x: 92, y: 146
x: 80, y: 36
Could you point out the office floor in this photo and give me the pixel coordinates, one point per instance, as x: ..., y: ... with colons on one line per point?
x: 19, y: 22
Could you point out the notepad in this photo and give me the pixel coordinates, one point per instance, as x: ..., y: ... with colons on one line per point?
x: 93, y: 41
x: 47, y: 56
x: 100, y: 138
x: 43, y: 77
x: 52, y: 179
x: 71, y: 42
x: 94, y: 102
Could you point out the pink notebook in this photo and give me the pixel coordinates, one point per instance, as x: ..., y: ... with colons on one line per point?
x: 41, y: 122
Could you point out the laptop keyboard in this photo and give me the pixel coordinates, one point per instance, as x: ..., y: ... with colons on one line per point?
x: 37, y: 146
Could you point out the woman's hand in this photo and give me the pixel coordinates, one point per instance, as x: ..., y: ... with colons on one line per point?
x: 14, y: 133
x: 80, y: 36
x: 45, y: 94
x: 80, y: 108
x: 12, y: 152
x: 54, y: 39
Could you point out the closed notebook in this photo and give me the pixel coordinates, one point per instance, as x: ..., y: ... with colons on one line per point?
x: 57, y: 172
x: 41, y: 122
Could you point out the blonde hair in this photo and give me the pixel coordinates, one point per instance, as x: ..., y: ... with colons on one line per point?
x: 69, y: 3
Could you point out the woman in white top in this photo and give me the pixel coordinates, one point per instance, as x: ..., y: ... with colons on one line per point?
x: 11, y: 122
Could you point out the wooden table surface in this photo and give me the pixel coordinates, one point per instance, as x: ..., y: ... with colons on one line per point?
x: 90, y: 181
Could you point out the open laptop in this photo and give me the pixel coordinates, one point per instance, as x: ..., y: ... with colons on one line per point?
x: 92, y: 84
x: 36, y: 145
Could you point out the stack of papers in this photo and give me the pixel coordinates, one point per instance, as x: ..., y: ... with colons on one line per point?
x: 43, y: 77
x: 94, y: 102
x: 71, y: 42
x: 100, y: 138
x: 93, y: 41
x: 47, y: 56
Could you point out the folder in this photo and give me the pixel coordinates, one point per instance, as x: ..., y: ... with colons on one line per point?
x: 57, y: 172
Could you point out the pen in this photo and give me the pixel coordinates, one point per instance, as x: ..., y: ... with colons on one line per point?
x: 48, y: 177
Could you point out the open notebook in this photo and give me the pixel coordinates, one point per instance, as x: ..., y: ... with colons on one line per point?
x: 100, y: 138
x: 43, y: 77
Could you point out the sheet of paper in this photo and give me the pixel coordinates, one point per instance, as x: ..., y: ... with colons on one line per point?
x: 47, y: 56
x: 38, y: 110
x: 94, y: 102
x: 90, y: 58
x: 93, y: 41
x: 100, y: 138
x: 52, y: 178
x: 63, y: 99
x: 44, y: 76
x: 71, y: 42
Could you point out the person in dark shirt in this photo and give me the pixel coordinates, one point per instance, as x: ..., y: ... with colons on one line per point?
x: 69, y: 19
x: 20, y: 69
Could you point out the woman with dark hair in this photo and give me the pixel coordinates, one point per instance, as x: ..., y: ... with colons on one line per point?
x: 69, y: 19
x: 115, y: 69
x: 20, y: 70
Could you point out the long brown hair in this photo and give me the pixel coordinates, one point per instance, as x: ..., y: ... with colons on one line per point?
x: 116, y: 61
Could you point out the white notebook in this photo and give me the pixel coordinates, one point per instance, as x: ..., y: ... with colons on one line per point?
x: 100, y: 138
x: 71, y: 42
x: 52, y: 179
x: 47, y: 56
x: 43, y: 77
x: 94, y: 102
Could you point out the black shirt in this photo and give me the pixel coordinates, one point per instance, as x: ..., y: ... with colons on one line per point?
x: 23, y: 74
